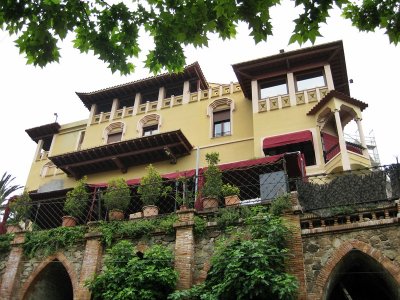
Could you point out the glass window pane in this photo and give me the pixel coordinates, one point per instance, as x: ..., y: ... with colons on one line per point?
x: 310, y: 80
x: 218, y: 129
x: 227, y: 128
x: 273, y: 87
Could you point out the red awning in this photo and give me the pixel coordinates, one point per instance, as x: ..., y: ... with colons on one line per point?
x: 287, y: 139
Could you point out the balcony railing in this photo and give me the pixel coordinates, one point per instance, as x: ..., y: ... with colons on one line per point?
x: 335, y: 149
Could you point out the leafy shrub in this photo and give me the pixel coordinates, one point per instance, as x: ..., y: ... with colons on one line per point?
x: 229, y: 190
x: 117, y: 195
x: 5, y: 242
x: 280, y: 204
x: 213, y: 177
x: 127, y: 276
x: 76, y: 199
x: 20, y: 208
x: 151, y: 187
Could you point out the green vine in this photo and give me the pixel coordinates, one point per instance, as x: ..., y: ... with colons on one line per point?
x: 5, y: 242
x: 114, y: 231
x: 129, y: 276
x: 47, y: 242
x: 250, y: 264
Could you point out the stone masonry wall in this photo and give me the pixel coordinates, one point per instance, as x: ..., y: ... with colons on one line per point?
x: 319, y: 249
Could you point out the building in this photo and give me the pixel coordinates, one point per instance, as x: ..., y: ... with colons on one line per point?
x: 284, y: 119
x: 289, y: 102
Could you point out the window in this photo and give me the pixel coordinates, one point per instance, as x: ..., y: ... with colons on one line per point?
x: 149, y: 125
x: 273, y: 87
x: 114, y: 137
x: 310, y: 79
x: 222, y: 123
x: 113, y: 133
x: 150, y: 130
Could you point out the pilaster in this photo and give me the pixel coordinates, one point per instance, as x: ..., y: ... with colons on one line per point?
x: 91, y: 263
x: 13, y: 267
x: 184, y: 248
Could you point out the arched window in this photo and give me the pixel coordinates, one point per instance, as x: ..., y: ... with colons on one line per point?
x: 149, y: 125
x: 113, y: 133
x: 48, y: 169
x: 220, y: 113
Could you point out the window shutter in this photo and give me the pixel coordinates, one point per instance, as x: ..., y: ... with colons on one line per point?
x: 222, y: 115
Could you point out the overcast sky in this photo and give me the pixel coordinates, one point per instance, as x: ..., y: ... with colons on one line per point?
x: 30, y: 96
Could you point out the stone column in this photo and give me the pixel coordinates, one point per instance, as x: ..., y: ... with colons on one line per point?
x: 91, y: 263
x: 9, y: 281
x: 39, y: 147
x: 186, y: 92
x: 342, y: 142
x: 138, y: 98
x: 161, y: 96
x: 114, y: 108
x: 93, y: 111
x: 362, y: 137
x: 291, y: 89
x: 254, y: 95
x: 329, y: 78
x: 184, y: 249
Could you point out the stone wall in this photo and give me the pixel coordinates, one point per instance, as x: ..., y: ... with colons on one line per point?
x: 324, y: 249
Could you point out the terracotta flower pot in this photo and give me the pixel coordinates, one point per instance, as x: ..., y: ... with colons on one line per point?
x: 115, y: 214
x: 232, y: 200
x: 69, y: 221
x: 13, y: 228
x: 150, y: 211
x: 210, y: 203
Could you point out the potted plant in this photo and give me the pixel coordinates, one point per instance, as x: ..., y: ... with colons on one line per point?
x: 116, y: 198
x: 19, y: 212
x: 213, y: 182
x: 183, y: 195
x: 75, y: 203
x: 150, y: 190
x: 230, y: 193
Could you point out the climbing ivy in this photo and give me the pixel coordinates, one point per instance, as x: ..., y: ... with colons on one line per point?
x: 250, y: 264
x: 5, y: 242
x: 129, y: 276
x: 114, y: 231
x: 47, y: 242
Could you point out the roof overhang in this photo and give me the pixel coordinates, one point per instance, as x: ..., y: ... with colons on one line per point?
x: 42, y: 132
x: 190, y: 72
x: 338, y: 95
x: 125, y: 154
x: 285, y: 62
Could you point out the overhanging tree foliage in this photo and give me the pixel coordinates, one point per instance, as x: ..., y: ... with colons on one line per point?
x: 111, y: 31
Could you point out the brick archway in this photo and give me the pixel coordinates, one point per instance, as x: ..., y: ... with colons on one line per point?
x: 326, y: 272
x: 34, y: 275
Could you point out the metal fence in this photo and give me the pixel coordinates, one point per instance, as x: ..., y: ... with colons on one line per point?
x: 257, y: 183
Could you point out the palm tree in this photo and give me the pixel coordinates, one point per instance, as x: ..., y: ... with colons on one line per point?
x: 6, y: 189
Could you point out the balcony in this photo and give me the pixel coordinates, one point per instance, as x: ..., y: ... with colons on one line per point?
x: 325, y: 200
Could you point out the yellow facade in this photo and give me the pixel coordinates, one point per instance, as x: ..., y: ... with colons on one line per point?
x: 251, y: 120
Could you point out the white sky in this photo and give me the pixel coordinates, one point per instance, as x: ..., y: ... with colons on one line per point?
x: 30, y: 96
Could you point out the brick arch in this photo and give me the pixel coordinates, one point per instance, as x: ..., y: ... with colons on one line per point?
x: 113, y: 128
x: 325, y: 274
x: 34, y: 275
